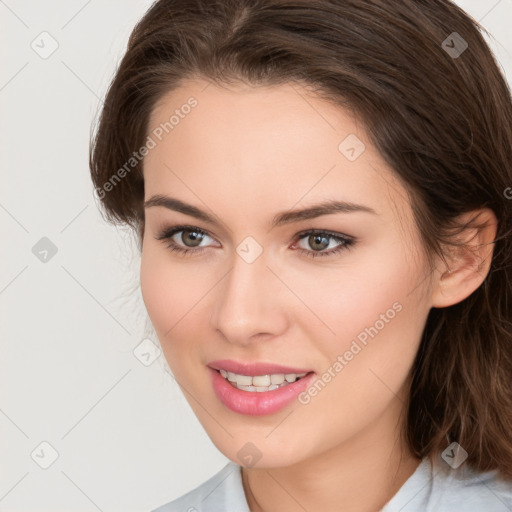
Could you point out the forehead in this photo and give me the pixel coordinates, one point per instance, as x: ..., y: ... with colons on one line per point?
x: 264, y: 147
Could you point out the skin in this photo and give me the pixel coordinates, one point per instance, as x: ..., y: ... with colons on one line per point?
x: 243, y: 155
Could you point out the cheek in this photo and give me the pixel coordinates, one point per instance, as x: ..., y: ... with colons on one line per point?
x: 349, y: 300
x: 163, y: 293
x: 377, y: 312
x: 173, y: 294
x: 378, y: 328
x: 163, y: 289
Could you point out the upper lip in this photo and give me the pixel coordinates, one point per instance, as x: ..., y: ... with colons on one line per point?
x: 255, y: 368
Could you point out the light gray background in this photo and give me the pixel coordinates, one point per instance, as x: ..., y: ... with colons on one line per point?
x: 125, y: 437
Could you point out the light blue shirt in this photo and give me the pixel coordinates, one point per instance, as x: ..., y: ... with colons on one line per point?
x: 431, y: 488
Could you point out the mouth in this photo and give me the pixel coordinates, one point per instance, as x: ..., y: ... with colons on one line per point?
x: 257, y: 388
x: 260, y: 383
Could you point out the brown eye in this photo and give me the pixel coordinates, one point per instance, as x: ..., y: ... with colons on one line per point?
x: 185, y: 240
x: 191, y: 238
x: 318, y: 242
x: 314, y: 243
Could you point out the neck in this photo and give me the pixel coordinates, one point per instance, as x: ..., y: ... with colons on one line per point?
x: 359, y: 475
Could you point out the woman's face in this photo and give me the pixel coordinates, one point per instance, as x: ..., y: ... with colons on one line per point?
x: 257, y: 287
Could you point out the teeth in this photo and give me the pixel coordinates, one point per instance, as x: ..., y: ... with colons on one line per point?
x: 278, y: 378
x: 260, y: 383
x: 246, y: 380
x: 258, y: 389
x: 260, y: 380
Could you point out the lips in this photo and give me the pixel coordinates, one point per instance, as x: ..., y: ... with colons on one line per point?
x: 253, y: 369
x: 252, y: 401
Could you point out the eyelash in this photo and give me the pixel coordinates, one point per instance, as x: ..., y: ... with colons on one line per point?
x: 348, y: 242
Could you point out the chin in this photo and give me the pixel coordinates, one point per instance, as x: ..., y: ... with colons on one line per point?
x: 259, y: 449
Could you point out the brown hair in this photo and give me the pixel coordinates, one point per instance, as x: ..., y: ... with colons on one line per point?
x: 442, y: 120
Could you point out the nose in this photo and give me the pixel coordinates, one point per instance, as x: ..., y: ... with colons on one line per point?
x: 249, y: 303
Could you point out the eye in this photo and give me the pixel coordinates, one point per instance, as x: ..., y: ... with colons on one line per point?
x: 184, y: 239
x: 320, y: 240
x: 187, y: 240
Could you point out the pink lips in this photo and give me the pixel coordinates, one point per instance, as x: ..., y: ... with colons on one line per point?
x: 256, y: 403
x: 253, y: 369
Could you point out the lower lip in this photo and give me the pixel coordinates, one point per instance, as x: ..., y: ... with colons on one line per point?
x: 257, y: 403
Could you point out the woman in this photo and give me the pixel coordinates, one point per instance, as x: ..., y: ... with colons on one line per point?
x: 319, y: 191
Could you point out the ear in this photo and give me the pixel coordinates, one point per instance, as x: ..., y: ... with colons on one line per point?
x: 466, y: 266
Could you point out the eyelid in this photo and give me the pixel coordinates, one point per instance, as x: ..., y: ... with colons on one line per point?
x: 346, y: 241
x: 169, y: 232
x: 333, y: 234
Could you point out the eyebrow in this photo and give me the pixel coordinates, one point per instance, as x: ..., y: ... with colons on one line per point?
x: 287, y: 217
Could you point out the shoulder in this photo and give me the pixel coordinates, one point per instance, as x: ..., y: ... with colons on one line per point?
x: 223, y: 491
x: 477, y: 491
x: 437, y: 487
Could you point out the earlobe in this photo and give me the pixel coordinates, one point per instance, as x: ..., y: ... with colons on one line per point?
x: 467, y: 265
